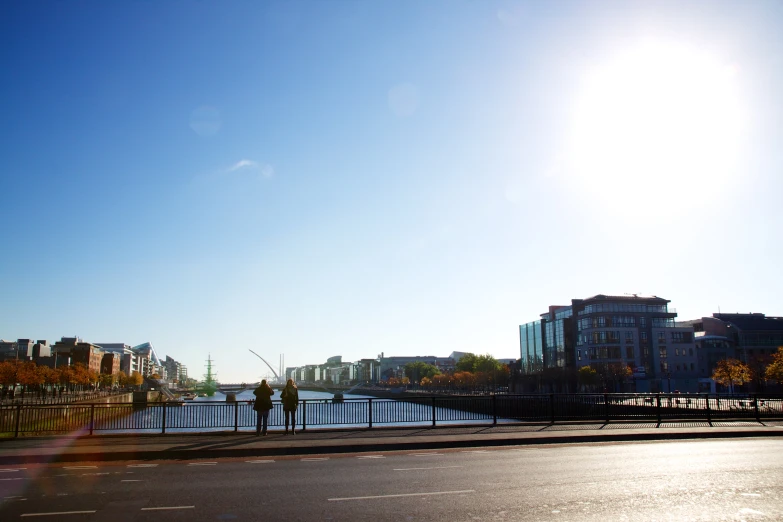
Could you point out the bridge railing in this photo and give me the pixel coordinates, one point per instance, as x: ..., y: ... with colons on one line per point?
x: 372, y: 413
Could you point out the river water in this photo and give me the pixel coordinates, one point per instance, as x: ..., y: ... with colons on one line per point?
x: 205, y: 414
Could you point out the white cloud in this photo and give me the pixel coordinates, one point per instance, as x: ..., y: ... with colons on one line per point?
x: 263, y: 169
x: 242, y: 164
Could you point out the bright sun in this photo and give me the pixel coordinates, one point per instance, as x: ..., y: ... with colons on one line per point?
x: 657, y: 125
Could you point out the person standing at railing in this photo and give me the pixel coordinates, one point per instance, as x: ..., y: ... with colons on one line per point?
x: 290, y: 398
x: 262, y: 405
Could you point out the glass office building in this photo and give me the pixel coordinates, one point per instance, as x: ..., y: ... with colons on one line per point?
x: 531, y: 344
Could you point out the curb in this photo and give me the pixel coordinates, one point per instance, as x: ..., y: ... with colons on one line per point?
x: 316, y: 449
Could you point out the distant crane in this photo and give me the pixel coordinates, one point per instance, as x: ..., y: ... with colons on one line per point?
x: 277, y: 377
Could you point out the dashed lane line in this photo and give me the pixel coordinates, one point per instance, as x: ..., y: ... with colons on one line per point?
x: 11, y: 470
x: 431, y: 467
x: 371, y: 457
x: 202, y: 463
x: 142, y: 465
x: 425, y: 454
x: 314, y: 459
x: 259, y: 461
x: 131, y: 480
x: 59, y: 513
x: 432, y: 493
x: 80, y: 467
x: 14, y: 478
x: 476, y: 451
x: 165, y: 508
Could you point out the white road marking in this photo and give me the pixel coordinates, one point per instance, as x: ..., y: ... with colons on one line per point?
x: 259, y: 461
x: 314, y: 459
x: 131, y: 480
x: 424, y: 454
x: 405, y: 495
x: 167, y: 507
x: 80, y: 467
x: 15, y: 478
x: 433, y: 467
x: 142, y: 465
x: 93, y: 474
x: 202, y: 463
x: 58, y: 513
x: 371, y: 457
x: 475, y: 451
x: 9, y: 470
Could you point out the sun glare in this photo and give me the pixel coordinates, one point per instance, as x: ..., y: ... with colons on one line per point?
x: 657, y: 124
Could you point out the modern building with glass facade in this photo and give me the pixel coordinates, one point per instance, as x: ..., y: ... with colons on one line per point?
x: 602, y: 331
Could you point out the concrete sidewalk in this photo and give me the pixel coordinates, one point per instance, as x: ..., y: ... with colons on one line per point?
x: 79, y: 448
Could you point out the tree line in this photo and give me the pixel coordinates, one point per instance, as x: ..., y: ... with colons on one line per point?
x: 610, y: 376
x: 38, y: 378
x: 471, y: 371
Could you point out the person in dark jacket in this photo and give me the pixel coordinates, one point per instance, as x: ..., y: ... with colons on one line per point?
x: 262, y: 405
x: 290, y: 398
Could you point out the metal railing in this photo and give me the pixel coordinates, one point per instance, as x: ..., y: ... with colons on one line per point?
x: 369, y: 413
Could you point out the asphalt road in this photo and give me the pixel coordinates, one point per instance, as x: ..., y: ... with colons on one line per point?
x: 710, y: 480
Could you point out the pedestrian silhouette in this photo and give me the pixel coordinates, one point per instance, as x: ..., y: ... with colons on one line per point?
x: 290, y: 397
x: 262, y: 405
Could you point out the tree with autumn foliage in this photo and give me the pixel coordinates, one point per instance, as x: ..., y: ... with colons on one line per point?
x: 135, y: 379
x: 730, y: 372
x: 774, y: 371
x: 9, y: 372
x: 588, y: 378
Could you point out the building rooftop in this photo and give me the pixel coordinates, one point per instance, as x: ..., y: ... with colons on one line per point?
x: 752, y: 321
x: 626, y: 297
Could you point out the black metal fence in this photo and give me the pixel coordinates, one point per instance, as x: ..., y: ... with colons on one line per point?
x: 368, y: 413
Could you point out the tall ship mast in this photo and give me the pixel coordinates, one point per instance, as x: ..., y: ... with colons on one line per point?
x: 209, y: 384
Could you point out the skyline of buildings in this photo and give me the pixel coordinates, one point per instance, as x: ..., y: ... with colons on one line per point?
x: 602, y: 331
x: 641, y: 332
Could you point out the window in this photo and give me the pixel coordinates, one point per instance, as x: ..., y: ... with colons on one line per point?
x: 623, y: 320
x: 579, y: 354
x: 643, y: 322
x: 676, y: 352
x: 628, y: 337
x: 661, y: 337
x: 682, y: 337
x: 643, y: 336
x: 629, y: 352
x: 692, y: 367
x: 690, y: 351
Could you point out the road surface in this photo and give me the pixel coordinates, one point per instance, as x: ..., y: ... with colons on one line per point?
x: 709, y: 480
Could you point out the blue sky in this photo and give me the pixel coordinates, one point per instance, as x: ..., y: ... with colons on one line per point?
x: 324, y: 178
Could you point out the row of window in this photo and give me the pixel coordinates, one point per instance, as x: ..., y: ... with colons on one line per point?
x: 665, y: 367
x: 622, y: 307
x: 663, y: 352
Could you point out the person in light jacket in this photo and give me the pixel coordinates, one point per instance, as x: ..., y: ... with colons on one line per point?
x: 290, y: 398
x: 262, y: 405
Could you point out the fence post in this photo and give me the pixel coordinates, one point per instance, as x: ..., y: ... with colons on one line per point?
x: 92, y: 417
x: 18, y: 419
x: 369, y: 412
x: 658, y: 402
x: 494, y: 409
x: 709, y: 412
x: 433, y: 412
x: 304, y: 415
x: 606, y: 407
x: 163, y: 423
x: 552, y: 407
x: 756, y: 406
x: 236, y: 416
